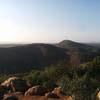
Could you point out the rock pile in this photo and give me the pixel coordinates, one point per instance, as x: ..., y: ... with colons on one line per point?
x: 16, y: 88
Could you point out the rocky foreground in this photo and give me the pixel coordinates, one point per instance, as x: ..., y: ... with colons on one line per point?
x: 16, y: 88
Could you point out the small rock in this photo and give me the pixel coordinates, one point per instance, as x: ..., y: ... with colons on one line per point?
x: 51, y: 95
x: 13, y: 96
x: 58, y: 91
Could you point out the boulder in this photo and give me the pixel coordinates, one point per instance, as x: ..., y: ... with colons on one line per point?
x: 8, y: 81
x: 13, y: 96
x: 36, y: 90
x: 51, y: 95
x: 98, y: 95
x: 58, y: 91
x: 34, y: 98
x: 15, y: 84
x: 66, y: 98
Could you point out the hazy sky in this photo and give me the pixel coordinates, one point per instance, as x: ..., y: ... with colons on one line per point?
x: 49, y: 20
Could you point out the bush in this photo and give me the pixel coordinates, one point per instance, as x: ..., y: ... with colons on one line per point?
x: 3, y: 78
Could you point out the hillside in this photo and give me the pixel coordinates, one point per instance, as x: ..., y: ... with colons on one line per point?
x: 71, y: 81
x: 97, y: 45
x: 79, y: 53
x: 72, y: 66
x: 22, y: 58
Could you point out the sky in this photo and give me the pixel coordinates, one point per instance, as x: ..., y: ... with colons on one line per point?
x: 49, y: 21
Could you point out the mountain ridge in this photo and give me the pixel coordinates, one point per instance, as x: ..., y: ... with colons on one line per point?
x: 79, y: 52
x: 38, y: 55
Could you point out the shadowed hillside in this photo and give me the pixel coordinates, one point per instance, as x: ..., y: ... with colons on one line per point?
x: 79, y: 53
x: 24, y: 58
x: 97, y: 45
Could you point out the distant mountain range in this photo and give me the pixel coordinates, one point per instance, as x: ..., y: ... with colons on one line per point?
x: 97, y: 45
x: 22, y: 58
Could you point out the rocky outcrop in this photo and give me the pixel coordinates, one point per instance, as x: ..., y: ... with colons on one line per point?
x: 9, y: 88
x: 38, y: 98
x: 36, y: 90
x: 15, y: 84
